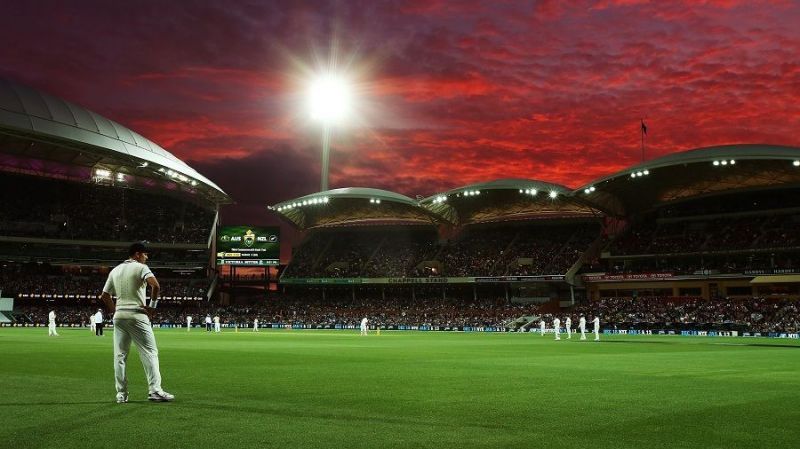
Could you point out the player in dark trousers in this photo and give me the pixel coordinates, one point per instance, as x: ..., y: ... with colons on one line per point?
x: 98, y: 322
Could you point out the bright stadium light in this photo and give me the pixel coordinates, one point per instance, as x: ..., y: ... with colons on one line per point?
x: 553, y: 194
x: 796, y: 163
x: 329, y: 101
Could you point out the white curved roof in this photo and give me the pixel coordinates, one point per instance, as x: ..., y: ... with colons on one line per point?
x: 33, y: 111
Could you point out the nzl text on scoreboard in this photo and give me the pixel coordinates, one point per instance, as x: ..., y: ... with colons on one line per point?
x: 248, y: 246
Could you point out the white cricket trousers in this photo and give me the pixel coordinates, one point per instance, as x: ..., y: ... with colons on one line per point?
x: 135, y: 327
x: 51, y: 330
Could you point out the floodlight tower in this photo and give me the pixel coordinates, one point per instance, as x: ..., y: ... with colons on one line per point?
x: 329, y: 101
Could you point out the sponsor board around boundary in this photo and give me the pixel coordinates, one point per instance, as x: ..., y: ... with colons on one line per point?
x: 422, y: 281
x: 628, y: 277
x: 426, y: 328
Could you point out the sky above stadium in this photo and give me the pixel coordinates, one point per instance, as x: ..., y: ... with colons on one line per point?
x: 448, y: 93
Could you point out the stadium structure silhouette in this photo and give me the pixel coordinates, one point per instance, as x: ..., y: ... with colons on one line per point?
x: 707, y: 223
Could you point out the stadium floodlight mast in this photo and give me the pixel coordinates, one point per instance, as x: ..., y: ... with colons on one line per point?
x: 329, y: 101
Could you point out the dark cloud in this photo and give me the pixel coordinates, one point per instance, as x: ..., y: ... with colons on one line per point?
x: 453, y: 93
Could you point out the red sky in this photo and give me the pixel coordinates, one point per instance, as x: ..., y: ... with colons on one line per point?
x: 450, y: 93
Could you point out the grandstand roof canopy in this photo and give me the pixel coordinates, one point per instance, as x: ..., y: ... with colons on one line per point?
x: 693, y: 174
x: 38, y: 126
x: 505, y: 199
x: 675, y: 177
x: 353, y: 205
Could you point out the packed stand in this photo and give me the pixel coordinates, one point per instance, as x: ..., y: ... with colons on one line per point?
x: 482, y: 251
x: 81, y: 211
x: 754, y: 314
x: 22, y: 281
x: 392, y: 312
x: 551, y: 249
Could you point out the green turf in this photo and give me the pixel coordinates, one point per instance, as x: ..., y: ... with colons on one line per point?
x: 403, y: 389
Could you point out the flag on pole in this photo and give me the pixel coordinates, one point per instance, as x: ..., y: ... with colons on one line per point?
x: 644, y: 128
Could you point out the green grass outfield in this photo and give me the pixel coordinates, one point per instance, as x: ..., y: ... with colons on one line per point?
x: 291, y: 389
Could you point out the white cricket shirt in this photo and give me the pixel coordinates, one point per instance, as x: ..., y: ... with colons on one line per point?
x: 127, y: 282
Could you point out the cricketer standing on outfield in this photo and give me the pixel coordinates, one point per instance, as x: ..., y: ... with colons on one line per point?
x: 557, y: 328
x: 128, y: 281
x: 364, y: 326
x: 51, y: 324
x: 188, y: 323
x: 568, y: 325
x: 255, y: 324
x: 582, y: 326
x: 541, y: 327
x: 98, y: 323
x: 216, y: 323
x: 596, y: 322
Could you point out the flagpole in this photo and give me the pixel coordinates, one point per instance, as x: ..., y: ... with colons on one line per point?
x: 643, y: 130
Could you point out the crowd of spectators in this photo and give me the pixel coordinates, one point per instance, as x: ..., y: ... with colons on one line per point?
x: 476, y: 254
x: 26, y: 284
x: 481, y: 251
x: 391, y: 312
x: 752, y: 263
x: 754, y: 314
x: 712, y: 226
x: 750, y: 314
x: 59, y: 209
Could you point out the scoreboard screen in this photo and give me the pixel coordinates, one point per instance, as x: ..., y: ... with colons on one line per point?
x: 248, y: 246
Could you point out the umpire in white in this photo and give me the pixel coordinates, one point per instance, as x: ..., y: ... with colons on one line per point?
x: 127, y: 281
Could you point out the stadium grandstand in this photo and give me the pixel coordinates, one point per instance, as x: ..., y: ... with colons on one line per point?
x: 76, y: 188
x: 713, y: 230
x: 701, y: 239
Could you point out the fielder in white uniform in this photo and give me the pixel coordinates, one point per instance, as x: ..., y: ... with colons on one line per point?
x: 596, y: 322
x: 91, y: 322
x: 98, y: 323
x: 568, y: 326
x: 364, y: 326
x: 557, y: 328
x: 51, y: 324
x: 582, y: 326
x: 127, y: 281
x: 216, y: 323
x: 255, y: 324
x: 541, y: 327
x: 208, y: 323
x: 188, y: 323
